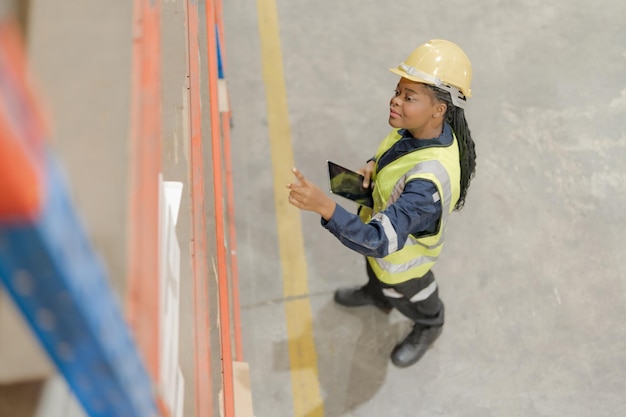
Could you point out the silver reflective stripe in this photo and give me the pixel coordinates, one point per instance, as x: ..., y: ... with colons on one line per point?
x: 391, y: 293
x: 426, y: 167
x: 425, y: 293
x: 390, y: 232
x: 430, y: 167
x: 398, y: 268
x: 436, y: 168
x: 436, y: 197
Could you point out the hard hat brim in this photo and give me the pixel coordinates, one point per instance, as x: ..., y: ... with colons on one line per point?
x: 411, y: 77
x: 403, y: 74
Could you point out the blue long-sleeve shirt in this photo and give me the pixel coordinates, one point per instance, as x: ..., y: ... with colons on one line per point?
x: 417, y: 211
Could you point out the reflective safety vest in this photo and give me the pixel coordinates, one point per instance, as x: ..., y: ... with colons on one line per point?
x: 438, y: 164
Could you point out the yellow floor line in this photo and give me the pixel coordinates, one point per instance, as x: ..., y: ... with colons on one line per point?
x: 302, y: 354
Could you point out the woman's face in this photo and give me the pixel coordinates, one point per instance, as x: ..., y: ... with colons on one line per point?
x: 413, y: 107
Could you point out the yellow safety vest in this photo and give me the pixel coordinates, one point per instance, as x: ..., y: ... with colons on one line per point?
x: 438, y: 164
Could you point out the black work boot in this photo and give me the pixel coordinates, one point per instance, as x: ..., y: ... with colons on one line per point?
x: 413, y: 347
x: 358, y: 296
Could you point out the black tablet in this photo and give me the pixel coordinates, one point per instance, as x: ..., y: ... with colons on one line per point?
x: 349, y: 184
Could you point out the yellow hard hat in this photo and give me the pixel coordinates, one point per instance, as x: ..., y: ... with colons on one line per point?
x: 440, y: 63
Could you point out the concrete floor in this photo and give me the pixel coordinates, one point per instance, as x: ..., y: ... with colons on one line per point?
x: 532, y: 275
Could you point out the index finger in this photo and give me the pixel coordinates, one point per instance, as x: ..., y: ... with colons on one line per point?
x: 298, y: 175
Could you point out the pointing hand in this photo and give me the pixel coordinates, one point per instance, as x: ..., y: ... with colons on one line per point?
x: 307, y: 196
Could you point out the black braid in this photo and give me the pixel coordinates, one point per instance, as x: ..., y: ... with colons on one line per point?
x: 455, y: 116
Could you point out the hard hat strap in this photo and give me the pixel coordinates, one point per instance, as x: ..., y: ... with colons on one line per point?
x: 458, y: 99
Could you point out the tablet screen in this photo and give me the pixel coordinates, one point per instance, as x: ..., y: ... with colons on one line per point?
x: 349, y: 184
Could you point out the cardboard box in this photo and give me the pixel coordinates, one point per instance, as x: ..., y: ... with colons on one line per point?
x: 21, y: 356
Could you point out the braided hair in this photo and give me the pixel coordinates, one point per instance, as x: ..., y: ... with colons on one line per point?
x: 455, y: 116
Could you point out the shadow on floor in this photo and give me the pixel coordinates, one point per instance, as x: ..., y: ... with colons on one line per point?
x: 353, y: 348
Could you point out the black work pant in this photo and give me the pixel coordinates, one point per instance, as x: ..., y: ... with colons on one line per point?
x: 426, y: 312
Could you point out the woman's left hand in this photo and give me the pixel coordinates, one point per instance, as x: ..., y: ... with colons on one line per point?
x: 307, y: 196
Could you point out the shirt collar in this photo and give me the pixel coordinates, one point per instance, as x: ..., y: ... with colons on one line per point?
x: 444, y: 139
